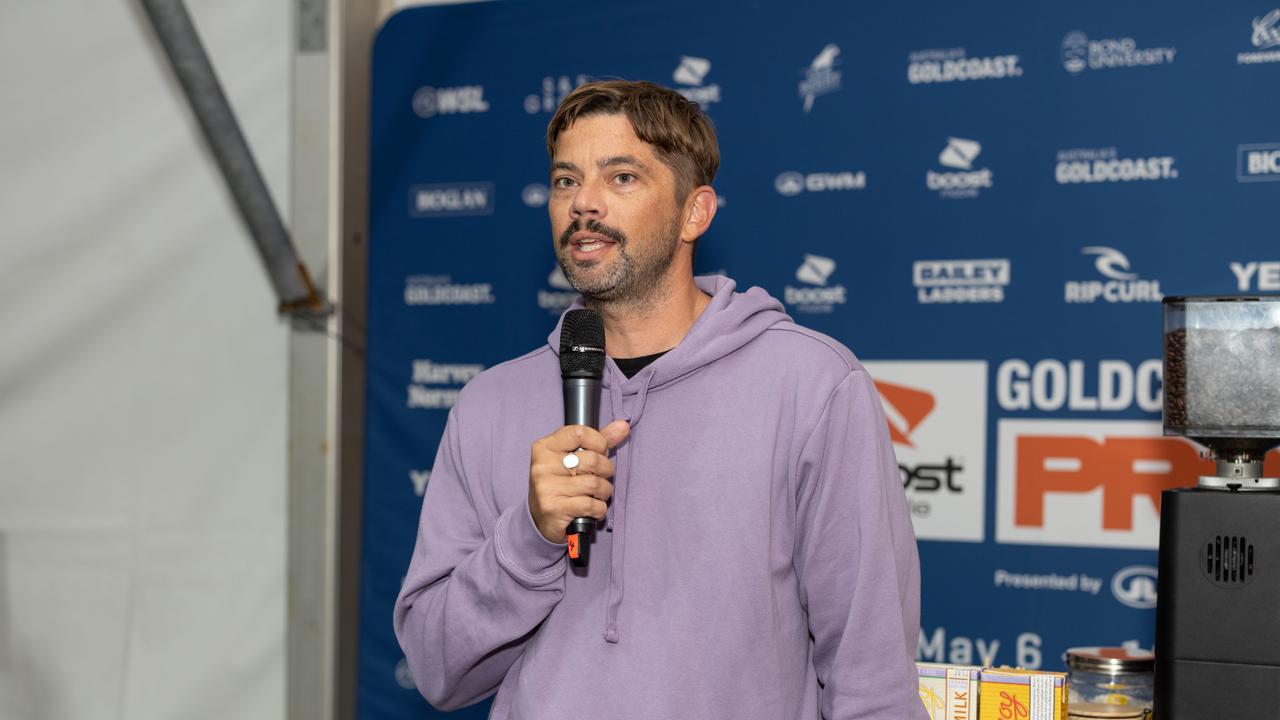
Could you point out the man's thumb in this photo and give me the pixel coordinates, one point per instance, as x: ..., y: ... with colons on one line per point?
x: 615, y: 432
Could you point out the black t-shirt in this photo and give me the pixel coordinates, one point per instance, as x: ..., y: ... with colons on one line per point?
x: 631, y: 366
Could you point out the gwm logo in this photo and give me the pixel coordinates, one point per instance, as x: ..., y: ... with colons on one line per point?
x: 1135, y: 586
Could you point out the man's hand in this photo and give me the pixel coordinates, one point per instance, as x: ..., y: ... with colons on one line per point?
x: 558, y: 495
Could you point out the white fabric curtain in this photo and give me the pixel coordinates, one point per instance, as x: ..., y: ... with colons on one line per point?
x: 142, y: 373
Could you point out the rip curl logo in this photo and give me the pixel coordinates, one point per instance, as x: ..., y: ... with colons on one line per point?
x: 1121, y: 284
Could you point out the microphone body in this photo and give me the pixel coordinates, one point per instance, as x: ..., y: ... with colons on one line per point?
x: 581, y: 370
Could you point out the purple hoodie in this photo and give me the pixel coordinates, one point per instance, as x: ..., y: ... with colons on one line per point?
x: 757, y: 561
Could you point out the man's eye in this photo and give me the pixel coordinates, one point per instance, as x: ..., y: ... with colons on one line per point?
x: 624, y: 178
x: 563, y: 182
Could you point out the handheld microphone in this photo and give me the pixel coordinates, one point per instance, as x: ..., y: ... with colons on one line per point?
x: 581, y: 369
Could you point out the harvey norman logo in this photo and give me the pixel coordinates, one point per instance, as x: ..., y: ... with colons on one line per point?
x: 965, y: 181
x: 1104, y: 165
x: 429, y: 102
x: 1079, y: 53
x: 459, y: 199
x: 952, y: 65
x: 435, y: 386
x: 1266, y: 38
x: 819, y: 297
x: 441, y: 290
x: 690, y: 73
x: 936, y: 412
x: 1119, y: 286
x: 1258, y: 163
x: 791, y: 183
x: 821, y: 77
x: 960, y: 281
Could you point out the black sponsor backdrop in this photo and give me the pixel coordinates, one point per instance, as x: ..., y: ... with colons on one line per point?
x: 460, y: 272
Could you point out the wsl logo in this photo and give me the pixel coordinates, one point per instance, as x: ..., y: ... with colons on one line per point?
x: 690, y: 73
x: 1079, y: 53
x: 535, y: 195
x: 560, y: 296
x: 451, y: 199
x: 1103, y: 165
x: 790, y: 183
x: 1120, y: 286
x: 1135, y: 586
x: 1258, y: 163
x: 960, y: 281
x: 952, y: 65
x: 819, y: 297
x: 966, y: 181
x: 821, y: 77
x: 430, y: 101
x: 1266, y: 38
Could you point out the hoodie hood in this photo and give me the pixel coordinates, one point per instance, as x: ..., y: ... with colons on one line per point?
x: 730, y: 321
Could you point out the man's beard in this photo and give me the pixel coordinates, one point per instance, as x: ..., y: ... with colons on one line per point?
x: 632, y: 279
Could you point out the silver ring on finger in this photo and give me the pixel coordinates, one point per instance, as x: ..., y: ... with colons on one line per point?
x: 571, y: 462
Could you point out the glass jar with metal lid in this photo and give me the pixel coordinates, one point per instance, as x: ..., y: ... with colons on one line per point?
x: 1110, y: 675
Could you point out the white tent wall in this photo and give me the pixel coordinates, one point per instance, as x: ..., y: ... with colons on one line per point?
x: 143, y: 389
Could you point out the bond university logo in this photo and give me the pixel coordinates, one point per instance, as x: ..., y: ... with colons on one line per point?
x: 954, y: 65
x: 821, y: 77
x: 1265, y: 37
x: 429, y: 102
x: 560, y: 296
x: 435, y: 386
x: 791, y: 183
x: 960, y: 281
x: 936, y: 413
x: 457, y: 199
x: 1258, y: 162
x: 818, y: 297
x: 1104, y: 165
x: 1120, y: 284
x: 690, y: 73
x: 965, y: 181
x: 1080, y: 53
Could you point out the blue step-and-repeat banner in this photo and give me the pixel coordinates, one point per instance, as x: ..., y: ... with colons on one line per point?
x: 985, y: 202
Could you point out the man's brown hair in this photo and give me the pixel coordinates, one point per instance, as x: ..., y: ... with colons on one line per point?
x: 682, y: 135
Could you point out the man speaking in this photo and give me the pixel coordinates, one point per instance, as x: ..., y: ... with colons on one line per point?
x: 754, y: 557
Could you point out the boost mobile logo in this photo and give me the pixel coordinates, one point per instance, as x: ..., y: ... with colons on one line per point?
x: 959, y: 154
x: 561, y: 297
x: 905, y: 408
x: 691, y: 72
x: 1135, y: 586
x: 1121, y: 286
x: 815, y: 270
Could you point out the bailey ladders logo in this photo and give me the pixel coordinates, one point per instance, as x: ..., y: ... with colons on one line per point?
x: 691, y: 72
x: 1104, y: 165
x: 821, y: 77
x: 960, y: 155
x: 1079, y: 53
x: 1265, y: 36
x: 816, y: 270
x: 952, y: 65
x: 960, y: 281
x: 1121, y: 285
x: 936, y: 415
x: 429, y: 102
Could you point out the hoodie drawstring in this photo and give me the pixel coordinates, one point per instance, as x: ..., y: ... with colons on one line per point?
x: 618, y: 514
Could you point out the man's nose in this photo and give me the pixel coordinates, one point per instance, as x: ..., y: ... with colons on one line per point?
x: 588, y: 201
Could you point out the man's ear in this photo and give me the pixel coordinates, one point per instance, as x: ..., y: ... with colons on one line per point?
x: 700, y: 208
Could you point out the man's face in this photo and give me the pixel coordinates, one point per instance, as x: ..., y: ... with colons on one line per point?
x: 614, y: 217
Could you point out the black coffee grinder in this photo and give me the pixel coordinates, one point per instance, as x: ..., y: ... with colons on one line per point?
x: 1218, y: 611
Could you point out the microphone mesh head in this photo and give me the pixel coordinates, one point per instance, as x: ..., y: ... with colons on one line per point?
x: 582, y: 344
